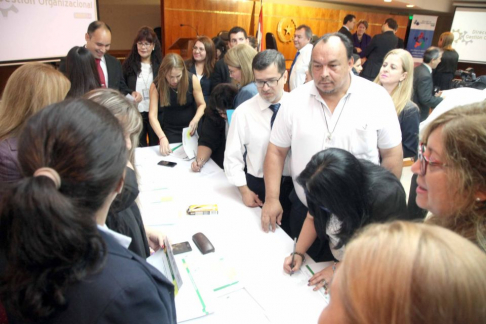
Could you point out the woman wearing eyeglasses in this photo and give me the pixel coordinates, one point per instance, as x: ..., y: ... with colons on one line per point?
x: 343, y: 194
x: 140, y: 69
x: 202, y: 63
x: 239, y: 59
x: 451, y: 171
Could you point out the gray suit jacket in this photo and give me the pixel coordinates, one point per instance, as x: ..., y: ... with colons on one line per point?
x: 423, y: 88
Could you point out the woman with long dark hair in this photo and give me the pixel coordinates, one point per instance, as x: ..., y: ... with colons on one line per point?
x: 343, y: 195
x: 140, y: 69
x: 81, y: 71
x: 124, y: 215
x: 61, y: 264
x: 202, y: 63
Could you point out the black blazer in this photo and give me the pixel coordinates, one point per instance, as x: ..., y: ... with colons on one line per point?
x: 126, y: 290
x: 423, y: 88
x: 115, y: 74
x: 220, y: 74
x: 131, y: 79
x: 380, y: 45
x: 346, y: 32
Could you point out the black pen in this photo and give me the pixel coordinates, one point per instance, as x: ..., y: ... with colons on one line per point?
x: 293, y: 255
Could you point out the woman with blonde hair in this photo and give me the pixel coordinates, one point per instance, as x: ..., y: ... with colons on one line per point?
x: 408, y: 273
x: 176, y: 102
x: 444, y: 72
x: 29, y: 89
x: 396, y: 76
x: 239, y: 60
x: 124, y: 215
x: 451, y: 171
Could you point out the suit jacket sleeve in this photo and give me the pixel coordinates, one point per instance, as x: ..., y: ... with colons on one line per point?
x: 220, y: 74
x: 409, y: 124
x: 123, y: 88
x: 369, y: 48
x: 424, y: 90
x: 140, y: 302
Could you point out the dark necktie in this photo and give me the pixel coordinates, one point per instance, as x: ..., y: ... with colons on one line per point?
x: 274, y: 108
x: 100, y: 73
x: 293, y: 63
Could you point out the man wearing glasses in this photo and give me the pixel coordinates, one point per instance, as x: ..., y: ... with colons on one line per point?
x: 250, y: 130
x: 237, y: 35
x: 98, y: 41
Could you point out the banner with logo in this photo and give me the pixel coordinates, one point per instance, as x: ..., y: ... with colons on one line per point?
x: 421, y: 34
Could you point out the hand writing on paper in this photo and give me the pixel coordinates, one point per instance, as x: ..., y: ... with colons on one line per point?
x: 164, y: 147
x: 323, y: 278
x: 155, y: 238
x: 271, y: 214
x: 288, y: 263
x: 197, y: 164
x: 250, y: 199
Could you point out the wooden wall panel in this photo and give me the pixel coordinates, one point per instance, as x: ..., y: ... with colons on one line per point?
x: 212, y: 16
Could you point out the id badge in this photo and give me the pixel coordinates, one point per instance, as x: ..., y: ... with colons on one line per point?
x: 145, y: 94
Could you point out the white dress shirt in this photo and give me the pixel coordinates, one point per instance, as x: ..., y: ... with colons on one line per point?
x: 297, y: 77
x: 250, y: 129
x: 144, y: 80
x: 363, y: 122
x: 123, y: 240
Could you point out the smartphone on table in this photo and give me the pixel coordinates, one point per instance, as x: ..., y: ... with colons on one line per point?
x: 167, y: 163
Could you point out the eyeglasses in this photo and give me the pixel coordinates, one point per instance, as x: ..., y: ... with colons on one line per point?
x: 140, y: 44
x: 270, y: 83
x: 424, y: 161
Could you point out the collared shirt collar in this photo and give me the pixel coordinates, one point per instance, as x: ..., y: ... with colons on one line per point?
x: 263, y: 104
x: 428, y: 67
x: 123, y: 240
x: 346, y: 27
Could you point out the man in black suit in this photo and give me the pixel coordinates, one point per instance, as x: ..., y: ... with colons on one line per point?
x: 423, y: 86
x: 237, y: 35
x: 348, y: 25
x: 380, y: 45
x: 98, y: 41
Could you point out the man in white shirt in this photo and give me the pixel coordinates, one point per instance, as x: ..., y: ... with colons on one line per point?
x: 302, y: 37
x: 337, y: 109
x: 250, y: 129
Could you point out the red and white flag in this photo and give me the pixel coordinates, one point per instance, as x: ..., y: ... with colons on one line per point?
x: 259, y: 35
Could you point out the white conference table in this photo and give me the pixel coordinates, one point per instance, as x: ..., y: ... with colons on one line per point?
x: 235, y: 233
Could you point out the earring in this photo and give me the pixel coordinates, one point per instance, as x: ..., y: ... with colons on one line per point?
x: 478, y: 199
x: 399, y: 83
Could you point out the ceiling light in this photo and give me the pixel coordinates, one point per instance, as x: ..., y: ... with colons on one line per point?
x: 388, y: 0
x: 410, y: 6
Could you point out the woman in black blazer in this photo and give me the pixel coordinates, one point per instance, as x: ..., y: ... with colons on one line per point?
x: 202, y: 63
x: 140, y: 70
x: 58, y: 261
x: 444, y: 72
